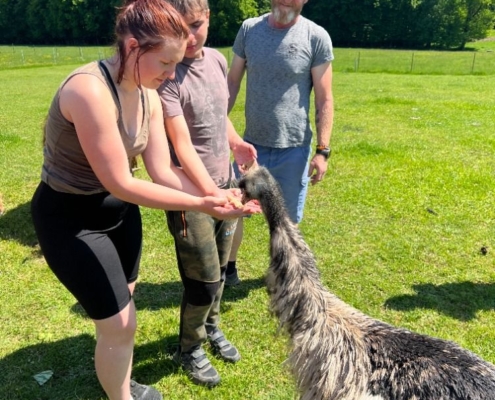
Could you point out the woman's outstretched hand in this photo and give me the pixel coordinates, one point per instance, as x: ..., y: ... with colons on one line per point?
x: 230, y: 205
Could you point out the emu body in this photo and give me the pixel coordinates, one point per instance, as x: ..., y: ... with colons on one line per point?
x: 339, y: 353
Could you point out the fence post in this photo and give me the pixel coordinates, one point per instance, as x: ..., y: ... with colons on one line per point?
x: 81, y: 54
x: 356, y: 62
x: 474, y: 58
x: 22, y: 57
x: 412, y: 62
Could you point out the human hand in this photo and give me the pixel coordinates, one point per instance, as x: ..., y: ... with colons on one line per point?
x: 244, y: 168
x: 236, y: 199
x: 245, y: 156
x: 317, y: 169
x: 230, y: 206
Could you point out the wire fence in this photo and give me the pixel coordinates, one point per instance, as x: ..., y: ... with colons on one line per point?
x: 416, y: 62
x: 481, y: 62
x: 346, y: 60
x: 34, y: 56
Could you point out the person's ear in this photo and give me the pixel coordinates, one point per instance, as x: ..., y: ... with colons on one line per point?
x: 132, y: 45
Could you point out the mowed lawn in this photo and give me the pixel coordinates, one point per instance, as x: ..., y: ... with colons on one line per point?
x: 403, y: 228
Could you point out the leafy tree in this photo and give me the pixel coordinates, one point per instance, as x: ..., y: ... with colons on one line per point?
x: 479, y: 17
x: 351, y: 23
x: 403, y: 23
x: 452, y: 23
x: 226, y: 17
x: 263, y: 6
x: 97, y: 19
x: 13, y: 23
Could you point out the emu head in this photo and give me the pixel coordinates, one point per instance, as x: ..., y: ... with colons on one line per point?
x: 257, y: 184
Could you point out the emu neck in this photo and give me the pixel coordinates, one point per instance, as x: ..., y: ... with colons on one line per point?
x: 274, y: 210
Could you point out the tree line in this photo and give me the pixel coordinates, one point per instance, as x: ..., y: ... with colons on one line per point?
x: 414, y: 24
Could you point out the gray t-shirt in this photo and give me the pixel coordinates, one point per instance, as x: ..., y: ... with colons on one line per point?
x: 279, y: 83
x: 200, y: 93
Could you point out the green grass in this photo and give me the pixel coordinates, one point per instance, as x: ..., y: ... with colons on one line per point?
x: 478, y: 59
x: 396, y: 226
x: 32, y: 56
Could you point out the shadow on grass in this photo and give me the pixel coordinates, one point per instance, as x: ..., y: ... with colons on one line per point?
x: 460, y: 300
x: 71, y: 361
x: 16, y: 224
x: 74, y: 376
x: 152, y: 296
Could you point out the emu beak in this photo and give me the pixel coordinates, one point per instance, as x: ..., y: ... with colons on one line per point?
x: 244, y: 198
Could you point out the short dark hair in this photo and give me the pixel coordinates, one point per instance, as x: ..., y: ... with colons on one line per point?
x: 190, y: 7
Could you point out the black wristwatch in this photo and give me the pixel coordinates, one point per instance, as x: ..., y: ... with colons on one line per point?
x: 325, y: 151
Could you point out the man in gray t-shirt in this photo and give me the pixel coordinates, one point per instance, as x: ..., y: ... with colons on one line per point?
x: 285, y: 56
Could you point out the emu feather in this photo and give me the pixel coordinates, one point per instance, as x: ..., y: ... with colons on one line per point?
x: 339, y: 353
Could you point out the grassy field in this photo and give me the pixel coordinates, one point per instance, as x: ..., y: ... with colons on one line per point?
x: 397, y: 226
x: 478, y: 59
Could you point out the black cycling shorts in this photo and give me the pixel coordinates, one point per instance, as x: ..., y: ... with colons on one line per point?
x: 93, y: 245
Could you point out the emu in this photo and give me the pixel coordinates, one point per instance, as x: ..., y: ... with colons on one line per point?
x: 339, y: 353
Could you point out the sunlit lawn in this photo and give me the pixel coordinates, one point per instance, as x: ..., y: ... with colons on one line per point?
x: 397, y: 226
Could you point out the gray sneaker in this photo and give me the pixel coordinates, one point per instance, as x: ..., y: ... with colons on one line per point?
x: 143, y: 392
x: 222, y: 347
x: 232, y: 279
x: 198, y: 367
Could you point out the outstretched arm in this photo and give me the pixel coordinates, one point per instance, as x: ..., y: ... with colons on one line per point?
x: 87, y: 103
x: 179, y: 135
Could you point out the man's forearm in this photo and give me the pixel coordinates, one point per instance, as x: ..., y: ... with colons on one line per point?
x: 233, y: 92
x: 324, y: 123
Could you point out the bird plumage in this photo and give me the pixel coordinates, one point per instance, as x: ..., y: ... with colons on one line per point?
x: 336, y: 351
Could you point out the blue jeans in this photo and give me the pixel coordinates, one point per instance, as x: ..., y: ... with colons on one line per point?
x: 289, y: 166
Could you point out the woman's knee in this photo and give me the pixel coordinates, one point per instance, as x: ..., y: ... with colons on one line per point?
x: 120, y: 327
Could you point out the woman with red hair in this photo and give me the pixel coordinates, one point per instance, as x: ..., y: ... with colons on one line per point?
x: 86, y: 207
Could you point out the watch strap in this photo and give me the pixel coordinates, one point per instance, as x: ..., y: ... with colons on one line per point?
x: 325, y: 151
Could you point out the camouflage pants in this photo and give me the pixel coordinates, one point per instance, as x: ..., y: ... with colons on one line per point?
x: 202, y: 245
